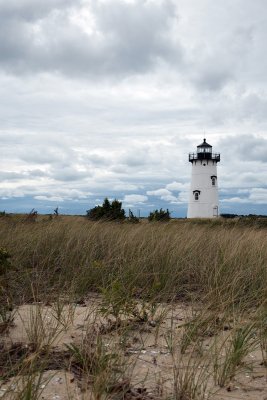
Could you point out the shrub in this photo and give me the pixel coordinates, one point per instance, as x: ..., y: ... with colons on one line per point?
x: 108, y: 211
x: 160, y: 215
x: 132, y: 218
x: 32, y: 216
x: 229, y: 215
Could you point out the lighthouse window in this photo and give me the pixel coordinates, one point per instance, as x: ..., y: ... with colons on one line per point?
x: 196, y: 195
x: 213, y: 180
x: 204, y: 149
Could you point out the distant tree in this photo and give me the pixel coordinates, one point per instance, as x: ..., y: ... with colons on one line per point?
x: 132, y: 218
x: 31, y: 217
x: 116, y: 212
x: 108, y: 211
x: 159, y: 215
x: 229, y: 215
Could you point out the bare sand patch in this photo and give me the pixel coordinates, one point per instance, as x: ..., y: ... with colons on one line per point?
x: 130, y: 357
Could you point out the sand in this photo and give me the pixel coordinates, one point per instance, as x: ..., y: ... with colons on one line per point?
x: 147, y: 352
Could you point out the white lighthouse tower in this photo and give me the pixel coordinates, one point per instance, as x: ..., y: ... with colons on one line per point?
x: 203, y: 198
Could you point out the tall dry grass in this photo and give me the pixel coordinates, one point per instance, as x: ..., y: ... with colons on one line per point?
x: 222, y: 263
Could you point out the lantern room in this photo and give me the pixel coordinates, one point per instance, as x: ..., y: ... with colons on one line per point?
x: 204, y: 152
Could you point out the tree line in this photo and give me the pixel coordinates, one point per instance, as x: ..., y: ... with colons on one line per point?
x: 113, y: 211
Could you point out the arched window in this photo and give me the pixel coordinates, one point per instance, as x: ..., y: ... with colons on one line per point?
x: 213, y: 180
x: 196, y: 194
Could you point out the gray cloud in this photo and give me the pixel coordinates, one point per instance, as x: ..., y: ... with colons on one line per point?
x: 125, y: 38
x: 212, y: 77
x: 11, y: 176
x: 69, y: 174
x: 246, y: 148
x: 31, y: 10
x: 40, y: 154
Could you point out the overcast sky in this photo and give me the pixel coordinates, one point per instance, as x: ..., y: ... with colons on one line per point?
x: 107, y: 97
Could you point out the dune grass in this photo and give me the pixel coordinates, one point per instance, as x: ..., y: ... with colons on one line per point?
x: 224, y: 264
x: 218, y: 267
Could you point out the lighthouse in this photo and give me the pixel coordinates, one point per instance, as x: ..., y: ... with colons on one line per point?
x: 203, y: 197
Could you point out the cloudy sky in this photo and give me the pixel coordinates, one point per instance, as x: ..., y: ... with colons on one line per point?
x: 107, y: 97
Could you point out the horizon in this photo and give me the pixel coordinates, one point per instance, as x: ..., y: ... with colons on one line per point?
x: 136, y: 211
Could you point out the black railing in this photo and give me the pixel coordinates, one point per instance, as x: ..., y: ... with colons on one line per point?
x: 204, y: 156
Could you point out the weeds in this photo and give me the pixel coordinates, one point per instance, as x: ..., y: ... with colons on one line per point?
x: 204, y: 323
x: 29, y: 387
x: 63, y: 312
x: 190, y: 378
x: 41, y: 327
x: 261, y: 322
x: 230, y: 355
x: 6, y: 306
x: 97, y: 364
x: 117, y: 301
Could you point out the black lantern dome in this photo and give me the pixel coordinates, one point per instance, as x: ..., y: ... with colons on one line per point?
x: 204, y: 145
x: 204, y: 152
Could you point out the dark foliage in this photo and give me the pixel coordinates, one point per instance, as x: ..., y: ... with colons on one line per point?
x: 229, y: 215
x: 109, y: 211
x: 159, y: 215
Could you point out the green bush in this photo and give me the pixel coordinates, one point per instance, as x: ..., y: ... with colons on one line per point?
x: 159, y: 215
x: 108, y: 211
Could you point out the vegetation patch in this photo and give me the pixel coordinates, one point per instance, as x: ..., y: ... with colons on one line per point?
x: 143, y: 310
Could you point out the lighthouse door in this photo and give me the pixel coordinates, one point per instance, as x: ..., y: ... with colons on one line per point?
x: 215, y: 211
